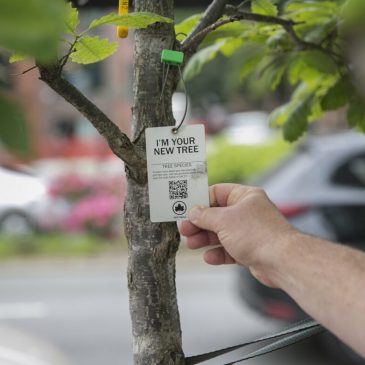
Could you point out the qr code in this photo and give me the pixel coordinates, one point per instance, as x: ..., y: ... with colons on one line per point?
x: 178, y: 189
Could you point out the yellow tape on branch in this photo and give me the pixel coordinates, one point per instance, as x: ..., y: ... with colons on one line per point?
x: 122, y: 32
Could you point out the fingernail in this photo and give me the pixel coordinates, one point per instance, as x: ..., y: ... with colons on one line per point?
x: 194, y: 213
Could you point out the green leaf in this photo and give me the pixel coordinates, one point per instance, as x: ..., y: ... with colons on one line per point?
x: 315, y: 33
x: 278, y: 39
x: 252, y: 54
x: 72, y: 19
x: 293, y: 5
x: 32, y: 27
x: 279, y: 115
x: 356, y: 113
x: 196, y: 63
x: 230, y: 46
x: 316, y: 110
x: 295, y: 115
x: 275, y: 76
x: 13, y: 129
x: 187, y: 24
x: 353, y: 12
x: 92, y: 49
x: 230, y: 30
x: 133, y: 20
x: 338, y: 95
x: 16, y: 58
x: 298, y: 70
x: 319, y: 61
x: 272, y: 68
x: 294, y: 70
x: 264, y: 7
x: 297, y: 121
x: 311, y: 11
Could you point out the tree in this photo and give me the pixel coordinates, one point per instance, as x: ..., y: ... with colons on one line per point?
x: 302, y: 40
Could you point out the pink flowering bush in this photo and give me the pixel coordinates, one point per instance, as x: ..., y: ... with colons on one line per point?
x: 70, y: 187
x: 94, y: 205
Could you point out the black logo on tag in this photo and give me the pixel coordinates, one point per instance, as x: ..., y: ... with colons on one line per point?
x: 179, y: 208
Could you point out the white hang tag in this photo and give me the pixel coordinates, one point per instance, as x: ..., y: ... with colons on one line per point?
x: 177, y: 171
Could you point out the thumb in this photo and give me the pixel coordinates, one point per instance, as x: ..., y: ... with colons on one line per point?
x: 205, y: 218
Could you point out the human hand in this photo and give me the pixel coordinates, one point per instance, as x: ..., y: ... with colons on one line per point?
x: 245, y: 226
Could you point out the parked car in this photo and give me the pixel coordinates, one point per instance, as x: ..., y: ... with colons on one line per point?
x: 20, y: 199
x: 320, y: 189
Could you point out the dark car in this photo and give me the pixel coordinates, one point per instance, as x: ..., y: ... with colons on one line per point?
x: 320, y: 189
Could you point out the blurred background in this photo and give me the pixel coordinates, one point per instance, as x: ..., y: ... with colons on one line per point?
x: 63, y: 291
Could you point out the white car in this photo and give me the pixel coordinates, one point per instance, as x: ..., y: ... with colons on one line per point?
x: 21, y: 197
x: 249, y: 128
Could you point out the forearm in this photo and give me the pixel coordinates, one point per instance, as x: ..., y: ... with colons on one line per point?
x: 328, y: 281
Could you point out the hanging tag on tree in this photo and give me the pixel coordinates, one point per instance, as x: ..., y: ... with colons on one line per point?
x: 177, y: 171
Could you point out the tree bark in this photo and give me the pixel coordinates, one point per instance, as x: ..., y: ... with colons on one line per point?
x: 152, y: 247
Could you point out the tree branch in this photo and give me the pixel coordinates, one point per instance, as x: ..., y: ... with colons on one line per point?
x: 195, y: 41
x: 66, y: 57
x: 231, y: 10
x: 214, y: 11
x: 191, y: 43
x: 25, y: 71
x: 118, y: 142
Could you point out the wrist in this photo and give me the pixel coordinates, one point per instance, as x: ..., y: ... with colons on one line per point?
x: 280, y: 256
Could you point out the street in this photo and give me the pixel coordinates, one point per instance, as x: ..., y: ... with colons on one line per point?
x: 75, y: 312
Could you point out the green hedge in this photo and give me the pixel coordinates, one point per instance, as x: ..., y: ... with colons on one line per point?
x: 240, y: 163
x: 58, y: 245
x: 49, y: 245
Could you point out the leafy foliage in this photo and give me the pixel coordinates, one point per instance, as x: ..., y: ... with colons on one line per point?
x: 86, y: 49
x: 32, y: 27
x: 302, y: 43
x: 92, y: 49
x: 307, y: 51
x: 134, y: 20
x: 187, y: 25
x: 338, y: 95
x: 319, y: 61
x: 200, y: 59
x: 29, y: 28
x: 15, y: 57
x: 13, y: 130
x: 356, y: 114
x: 264, y: 7
x: 234, y: 163
x: 353, y: 11
x: 72, y: 20
x: 297, y: 119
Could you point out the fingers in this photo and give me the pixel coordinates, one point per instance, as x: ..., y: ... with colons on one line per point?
x: 206, y: 218
x: 223, y: 195
x: 220, y: 195
x: 202, y: 239
x: 196, y: 237
x: 218, y: 256
x: 187, y: 228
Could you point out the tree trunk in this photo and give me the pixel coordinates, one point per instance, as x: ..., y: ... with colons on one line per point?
x: 152, y: 247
